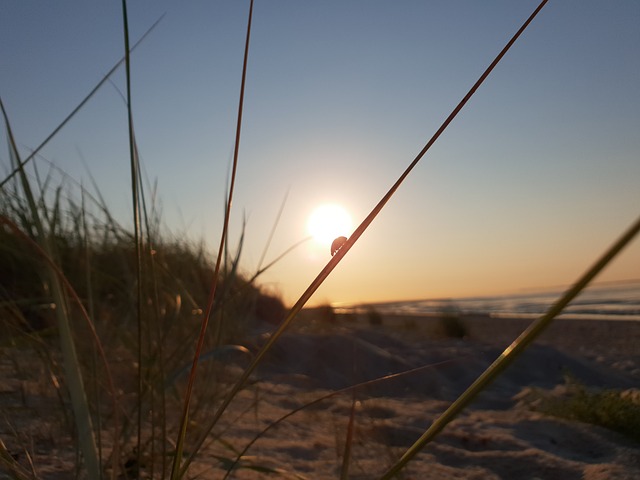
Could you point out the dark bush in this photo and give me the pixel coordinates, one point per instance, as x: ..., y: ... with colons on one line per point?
x: 374, y: 317
x: 452, y: 326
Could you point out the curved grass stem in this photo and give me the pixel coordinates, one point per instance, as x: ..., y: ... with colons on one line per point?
x: 350, y: 389
x: 77, y: 391
x: 76, y: 109
x: 135, y: 202
x: 333, y: 262
x: 175, y: 470
x: 513, y: 350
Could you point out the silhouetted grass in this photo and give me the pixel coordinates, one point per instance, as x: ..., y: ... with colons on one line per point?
x: 452, y: 326
x: 97, y: 260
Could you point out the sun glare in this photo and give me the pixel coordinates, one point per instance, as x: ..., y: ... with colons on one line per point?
x: 327, y: 222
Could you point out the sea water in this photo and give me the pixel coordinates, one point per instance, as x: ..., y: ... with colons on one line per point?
x: 604, y: 301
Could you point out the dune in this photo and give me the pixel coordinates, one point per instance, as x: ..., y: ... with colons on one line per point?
x: 500, y: 437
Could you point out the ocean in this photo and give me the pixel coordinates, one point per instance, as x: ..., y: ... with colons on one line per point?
x: 600, y: 301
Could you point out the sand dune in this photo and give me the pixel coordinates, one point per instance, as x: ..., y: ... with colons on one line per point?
x: 499, y: 437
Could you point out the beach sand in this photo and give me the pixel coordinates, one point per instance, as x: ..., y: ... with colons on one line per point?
x: 499, y: 437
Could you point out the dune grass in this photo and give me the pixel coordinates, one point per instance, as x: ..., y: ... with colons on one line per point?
x: 143, y: 295
x: 174, y: 300
x: 616, y: 410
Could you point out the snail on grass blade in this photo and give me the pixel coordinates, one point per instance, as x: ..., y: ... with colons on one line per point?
x: 337, y: 244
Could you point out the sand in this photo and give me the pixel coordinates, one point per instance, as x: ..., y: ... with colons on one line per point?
x: 499, y: 437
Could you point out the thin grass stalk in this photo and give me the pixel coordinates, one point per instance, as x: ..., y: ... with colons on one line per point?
x: 91, y: 310
x: 86, y: 438
x: 99, y: 201
x: 229, y: 278
x: 176, y: 471
x: 346, y: 454
x: 135, y: 196
x: 272, y: 232
x: 102, y: 205
x: 76, y: 109
x: 42, y: 253
x: 11, y: 464
x: 333, y: 262
x: 156, y: 355
x: 515, y: 349
x: 261, y: 270
x: 350, y: 389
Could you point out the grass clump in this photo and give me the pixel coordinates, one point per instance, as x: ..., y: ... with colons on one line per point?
x: 182, y: 274
x: 452, y: 325
x: 96, y: 257
x: 374, y: 317
x: 616, y: 410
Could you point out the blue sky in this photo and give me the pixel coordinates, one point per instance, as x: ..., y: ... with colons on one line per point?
x: 532, y: 181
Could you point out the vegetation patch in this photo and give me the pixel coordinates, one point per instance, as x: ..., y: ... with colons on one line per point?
x: 374, y: 317
x: 617, y: 410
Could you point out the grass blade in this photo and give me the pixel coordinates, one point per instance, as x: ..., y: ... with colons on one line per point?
x: 351, y: 389
x: 513, y: 350
x: 135, y: 197
x: 42, y: 253
x: 346, y: 455
x: 273, y: 231
x: 82, y: 416
x: 333, y: 262
x: 176, y: 471
x: 75, y: 110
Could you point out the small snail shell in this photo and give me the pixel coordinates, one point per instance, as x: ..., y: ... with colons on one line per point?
x: 337, y: 244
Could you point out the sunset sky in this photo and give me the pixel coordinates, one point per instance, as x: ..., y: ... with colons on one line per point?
x: 532, y: 181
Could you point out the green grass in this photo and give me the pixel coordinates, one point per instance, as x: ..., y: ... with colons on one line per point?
x: 616, y: 410
x: 132, y: 307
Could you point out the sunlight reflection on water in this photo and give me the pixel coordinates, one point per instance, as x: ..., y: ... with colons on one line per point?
x: 607, y: 301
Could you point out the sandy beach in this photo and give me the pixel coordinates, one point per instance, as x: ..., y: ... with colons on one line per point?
x: 588, y: 336
x: 501, y: 436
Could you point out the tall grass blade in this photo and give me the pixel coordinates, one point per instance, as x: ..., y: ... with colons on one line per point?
x: 86, y: 439
x: 91, y: 309
x: 346, y: 454
x: 156, y: 356
x: 315, y: 284
x: 42, y: 253
x: 348, y: 443
x: 135, y: 194
x: 515, y: 349
x: 76, y: 109
x: 175, y: 471
x: 350, y: 389
x: 272, y: 232
x: 261, y: 270
x: 14, y: 470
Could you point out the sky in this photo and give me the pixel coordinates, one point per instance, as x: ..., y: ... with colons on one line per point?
x: 537, y: 175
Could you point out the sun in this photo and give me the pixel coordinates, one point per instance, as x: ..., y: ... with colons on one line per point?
x: 327, y: 222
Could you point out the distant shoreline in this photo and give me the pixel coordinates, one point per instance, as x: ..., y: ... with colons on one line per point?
x: 582, y: 317
x: 613, y: 301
